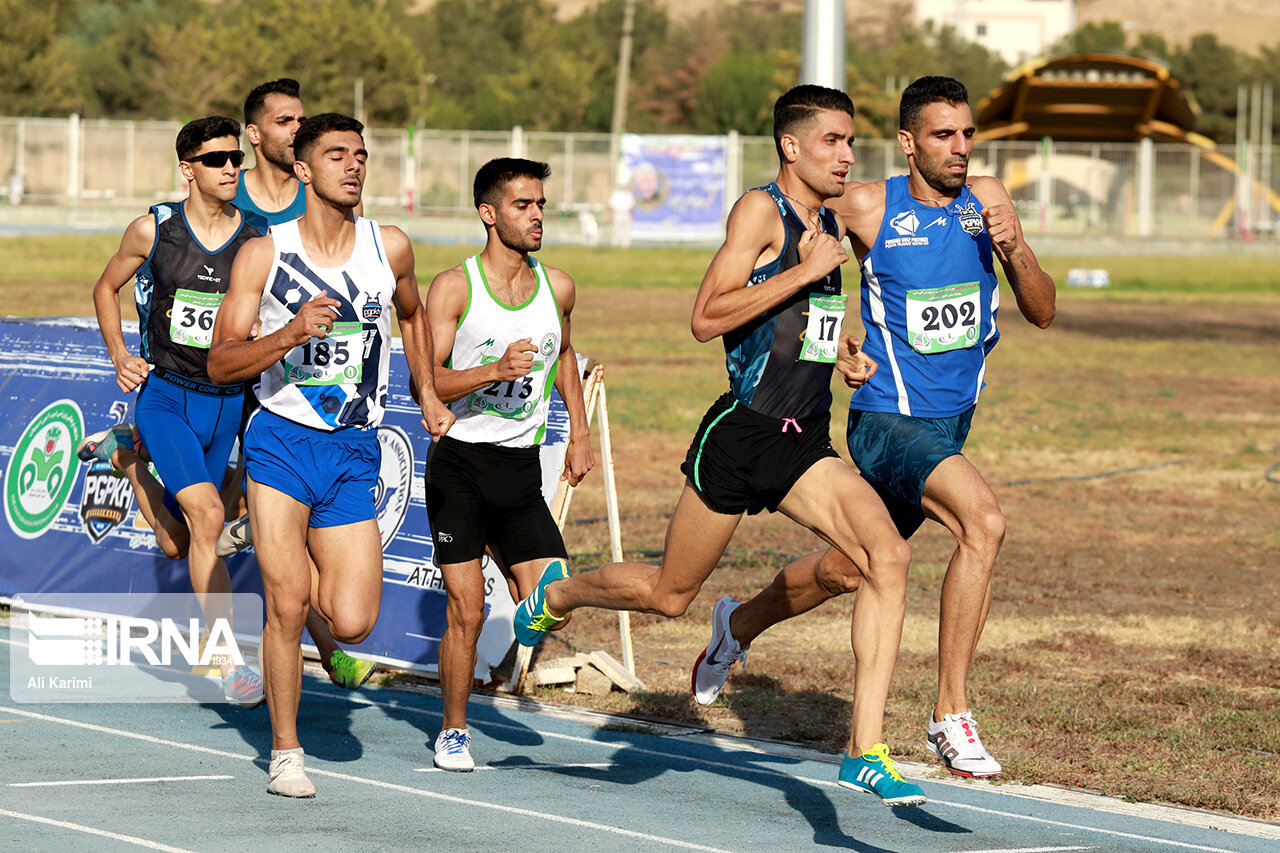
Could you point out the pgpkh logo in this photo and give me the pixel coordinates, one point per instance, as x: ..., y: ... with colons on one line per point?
x: 105, y: 500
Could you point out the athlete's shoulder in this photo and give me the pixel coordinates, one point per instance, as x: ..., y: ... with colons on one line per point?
x: 860, y: 199
x: 259, y: 250
x: 989, y: 190
x: 450, y: 278
x: 397, y: 243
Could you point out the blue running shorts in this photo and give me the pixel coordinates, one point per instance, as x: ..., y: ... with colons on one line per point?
x: 333, y: 473
x: 187, y: 433
x: 897, y: 453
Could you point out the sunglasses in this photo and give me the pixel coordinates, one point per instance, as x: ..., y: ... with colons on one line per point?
x: 218, y: 159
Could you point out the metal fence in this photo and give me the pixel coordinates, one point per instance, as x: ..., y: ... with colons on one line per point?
x: 73, y: 168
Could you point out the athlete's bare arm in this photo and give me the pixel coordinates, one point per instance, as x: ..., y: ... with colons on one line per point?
x: 755, y: 235
x: 415, y: 333
x: 1032, y: 286
x: 578, y: 458
x: 135, y: 246
x: 235, y: 358
x: 446, y: 301
x: 861, y: 210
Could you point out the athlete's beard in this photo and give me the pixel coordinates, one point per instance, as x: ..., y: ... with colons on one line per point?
x: 520, y: 241
x: 936, y: 174
x: 279, y: 155
x: 343, y: 202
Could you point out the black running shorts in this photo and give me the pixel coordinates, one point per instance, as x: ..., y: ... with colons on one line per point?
x: 743, y: 461
x: 479, y: 493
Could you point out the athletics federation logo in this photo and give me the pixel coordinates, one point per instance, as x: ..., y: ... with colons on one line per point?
x: 42, y: 469
x: 395, y: 481
x: 548, y: 344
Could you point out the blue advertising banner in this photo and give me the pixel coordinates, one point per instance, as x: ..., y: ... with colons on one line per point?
x: 678, y: 185
x: 74, y: 527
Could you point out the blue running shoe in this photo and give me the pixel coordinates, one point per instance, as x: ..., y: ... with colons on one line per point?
x: 100, y: 445
x: 243, y: 686
x: 873, y: 773
x: 532, y: 619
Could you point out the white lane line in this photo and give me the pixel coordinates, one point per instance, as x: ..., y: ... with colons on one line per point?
x: 141, y: 842
x: 376, y: 783
x: 601, y: 765
x: 1027, y: 849
x: 1105, y: 806
x: 1091, y: 829
x: 115, y: 781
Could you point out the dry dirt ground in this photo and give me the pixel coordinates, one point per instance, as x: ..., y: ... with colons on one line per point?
x: 1134, y: 631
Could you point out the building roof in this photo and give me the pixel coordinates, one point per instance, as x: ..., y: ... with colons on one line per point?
x: 1093, y: 97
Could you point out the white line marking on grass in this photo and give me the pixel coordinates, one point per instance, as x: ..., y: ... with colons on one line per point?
x: 141, y: 842
x: 390, y: 786
x: 115, y: 781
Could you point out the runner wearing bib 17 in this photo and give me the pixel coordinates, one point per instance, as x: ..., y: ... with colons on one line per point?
x: 773, y: 292
x: 927, y: 242
x: 180, y: 257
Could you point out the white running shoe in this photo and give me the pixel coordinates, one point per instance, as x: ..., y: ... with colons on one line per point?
x: 235, y: 537
x: 711, y: 670
x: 956, y: 742
x: 286, y: 776
x: 453, y: 751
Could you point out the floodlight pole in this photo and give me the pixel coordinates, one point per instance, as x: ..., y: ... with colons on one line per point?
x: 619, y: 123
x: 824, y: 39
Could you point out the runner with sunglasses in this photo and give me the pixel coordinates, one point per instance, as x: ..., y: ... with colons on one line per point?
x: 179, y: 257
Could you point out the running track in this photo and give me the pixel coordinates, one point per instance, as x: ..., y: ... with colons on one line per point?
x: 189, y: 777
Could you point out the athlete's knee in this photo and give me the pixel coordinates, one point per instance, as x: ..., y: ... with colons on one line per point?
x: 348, y: 628
x: 984, y: 532
x: 671, y: 603
x: 205, y: 521
x: 287, y: 613
x: 465, y: 618
x: 837, y: 574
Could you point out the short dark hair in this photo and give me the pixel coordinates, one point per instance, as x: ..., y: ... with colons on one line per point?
x: 802, y: 103
x: 316, y: 126
x: 199, y: 131
x: 493, y: 177
x: 257, y: 100
x: 925, y: 91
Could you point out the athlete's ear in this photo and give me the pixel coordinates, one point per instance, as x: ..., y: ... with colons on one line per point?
x: 302, y: 171
x: 790, y: 148
x: 906, y: 142
x: 488, y: 215
x: 253, y: 134
x: 188, y: 173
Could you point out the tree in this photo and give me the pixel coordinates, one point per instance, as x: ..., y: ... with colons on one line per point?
x: 1212, y: 72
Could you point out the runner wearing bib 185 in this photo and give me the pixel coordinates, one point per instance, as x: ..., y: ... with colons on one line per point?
x: 311, y: 450
x: 180, y: 257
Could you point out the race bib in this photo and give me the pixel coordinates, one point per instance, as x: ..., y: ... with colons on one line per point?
x: 517, y: 398
x: 338, y: 359
x: 191, y: 320
x: 943, y: 319
x: 826, y: 314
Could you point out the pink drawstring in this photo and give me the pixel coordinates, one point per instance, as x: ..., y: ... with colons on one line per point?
x: 791, y: 422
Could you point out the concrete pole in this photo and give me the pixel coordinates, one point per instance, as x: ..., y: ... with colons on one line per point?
x: 824, y: 38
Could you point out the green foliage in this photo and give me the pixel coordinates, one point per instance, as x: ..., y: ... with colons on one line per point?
x: 1212, y: 72
x: 493, y: 64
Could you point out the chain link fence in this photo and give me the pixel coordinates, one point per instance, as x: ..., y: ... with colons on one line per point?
x: 69, y: 172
